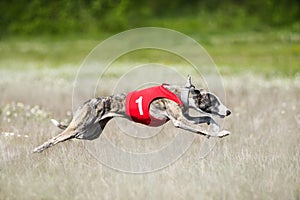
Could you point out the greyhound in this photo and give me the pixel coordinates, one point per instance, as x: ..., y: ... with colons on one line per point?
x: 152, y: 107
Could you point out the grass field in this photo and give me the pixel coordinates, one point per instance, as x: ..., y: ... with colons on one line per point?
x: 274, y: 53
x: 260, y: 160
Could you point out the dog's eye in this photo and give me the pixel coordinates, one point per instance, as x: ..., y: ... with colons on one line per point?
x: 213, y: 100
x: 207, y: 102
x: 197, y: 91
x: 204, y: 100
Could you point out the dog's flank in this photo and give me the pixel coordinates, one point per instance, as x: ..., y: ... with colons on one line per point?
x: 90, y: 119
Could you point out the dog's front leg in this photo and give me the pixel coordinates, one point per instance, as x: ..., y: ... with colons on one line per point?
x: 201, y: 120
x: 180, y: 121
x: 213, y: 125
x: 196, y: 128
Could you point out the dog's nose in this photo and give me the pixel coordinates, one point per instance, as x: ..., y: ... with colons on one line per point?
x: 228, y: 112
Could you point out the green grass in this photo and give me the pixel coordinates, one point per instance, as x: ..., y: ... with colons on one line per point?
x: 269, y: 54
x: 274, y: 53
x: 46, y: 52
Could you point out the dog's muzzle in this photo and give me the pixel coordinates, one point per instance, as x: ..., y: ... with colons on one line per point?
x: 228, y: 112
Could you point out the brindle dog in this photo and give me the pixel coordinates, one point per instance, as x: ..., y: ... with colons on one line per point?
x: 90, y: 119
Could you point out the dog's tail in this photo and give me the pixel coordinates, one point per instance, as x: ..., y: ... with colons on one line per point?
x: 58, y: 124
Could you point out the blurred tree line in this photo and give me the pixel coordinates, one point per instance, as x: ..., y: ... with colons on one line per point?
x: 86, y: 16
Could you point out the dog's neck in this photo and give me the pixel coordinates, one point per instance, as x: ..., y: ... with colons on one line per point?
x: 182, y: 92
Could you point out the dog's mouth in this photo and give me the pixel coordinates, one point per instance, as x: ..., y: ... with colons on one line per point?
x: 216, y: 113
x: 222, y: 115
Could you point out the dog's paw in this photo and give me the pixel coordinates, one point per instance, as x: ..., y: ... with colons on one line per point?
x: 223, y: 133
x: 37, y: 150
x: 214, y: 127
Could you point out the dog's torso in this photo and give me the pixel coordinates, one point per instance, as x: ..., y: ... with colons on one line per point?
x: 138, y: 104
x: 126, y: 105
x: 164, y: 101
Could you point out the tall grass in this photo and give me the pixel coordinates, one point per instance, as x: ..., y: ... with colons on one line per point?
x: 260, y: 160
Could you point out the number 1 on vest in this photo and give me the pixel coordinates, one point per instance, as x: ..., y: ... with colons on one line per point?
x: 139, y: 101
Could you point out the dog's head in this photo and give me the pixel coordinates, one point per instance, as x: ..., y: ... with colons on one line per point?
x: 207, y: 102
x: 203, y: 101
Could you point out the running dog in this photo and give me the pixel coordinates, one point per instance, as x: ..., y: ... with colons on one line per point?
x: 152, y: 106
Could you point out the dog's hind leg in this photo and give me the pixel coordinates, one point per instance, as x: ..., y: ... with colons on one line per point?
x: 84, y: 125
x: 86, y: 132
x: 67, y: 134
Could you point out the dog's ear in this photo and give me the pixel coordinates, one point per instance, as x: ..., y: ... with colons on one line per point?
x: 188, y: 82
x: 202, y: 92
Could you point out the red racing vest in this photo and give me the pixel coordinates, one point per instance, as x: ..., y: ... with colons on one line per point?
x: 138, y: 104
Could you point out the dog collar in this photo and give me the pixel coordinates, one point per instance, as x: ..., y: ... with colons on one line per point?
x: 185, y: 92
x: 184, y: 96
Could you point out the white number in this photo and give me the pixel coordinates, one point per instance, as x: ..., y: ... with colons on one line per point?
x: 139, y: 102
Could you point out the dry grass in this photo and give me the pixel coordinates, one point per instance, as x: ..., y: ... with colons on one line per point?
x: 260, y: 160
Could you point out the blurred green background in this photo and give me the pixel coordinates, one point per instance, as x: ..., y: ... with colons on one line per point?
x: 260, y: 36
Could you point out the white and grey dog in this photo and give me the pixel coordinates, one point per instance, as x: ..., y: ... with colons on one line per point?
x: 152, y: 106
